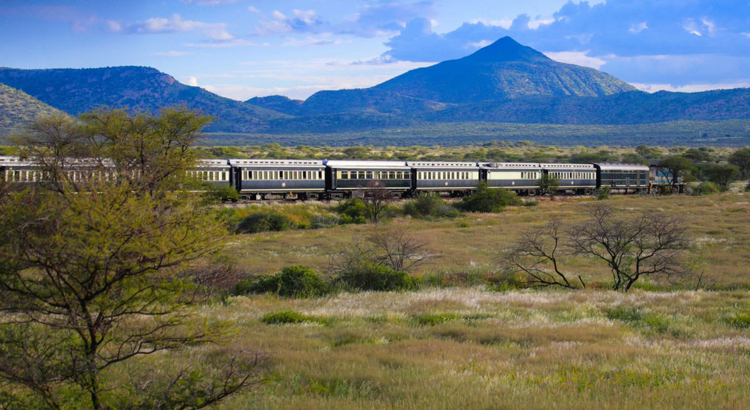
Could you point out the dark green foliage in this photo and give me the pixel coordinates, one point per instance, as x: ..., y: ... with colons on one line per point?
x: 625, y: 314
x: 705, y: 188
x: 741, y: 158
x: 292, y: 281
x: 432, y: 319
x: 549, y: 184
x: 429, y: 206
x: 285, y: 317
x: 221, y: 194
x: 698, y: 155
x: 374, y: 277
x: 352, y: 211
x: 721, y: 174
x: 487, y: 199
x: 264, y: 221
x: 603, y: 193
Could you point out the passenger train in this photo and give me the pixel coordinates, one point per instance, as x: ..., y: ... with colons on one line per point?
x: 335, y: 179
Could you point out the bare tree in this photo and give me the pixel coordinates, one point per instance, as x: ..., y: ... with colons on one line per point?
x: 397, y: 248
x: 536, y: 254
x: 376, y: 198
x: 647, y: 244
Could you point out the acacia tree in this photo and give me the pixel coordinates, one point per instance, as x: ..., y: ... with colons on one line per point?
x: 549, y: 185
x: 91, y: 262
x: 396, y: 248
x: 646, y: 244
x: 537, y: 255
x: 376, y: 198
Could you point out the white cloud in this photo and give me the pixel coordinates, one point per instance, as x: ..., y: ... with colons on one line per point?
x: 535, y: 24
x: 114, y: 26
x: 323, y: 39
x: 689, y: 88
x: 210, y: 2
x: 577, y: 57
x: 479, y: 44
x: 235, y: 42
x: 253, y: 9
x: 637, y: 28
x: 173, y: 53
x: 191, y: 81
x: 175, y: 24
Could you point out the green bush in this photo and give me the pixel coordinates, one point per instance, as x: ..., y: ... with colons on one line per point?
x: 292, y: 281
x: 747, y: 188
x: 705, y: 188
x: 433, y: 319
x: 429, y: 206
x: 264, y: 221
x: 625, y: 314
x: 352, y: 211
x: 370, y: 276
x: 284, y: 317
x: 603, y: 193
x: 487, y: 199
x: 221, y: 194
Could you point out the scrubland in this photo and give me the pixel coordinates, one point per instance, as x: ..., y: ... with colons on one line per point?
x: 456, y: 343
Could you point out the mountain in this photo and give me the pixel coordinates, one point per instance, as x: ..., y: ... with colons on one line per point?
x: 503, y: 70
x: 18, y: 109
x: 278, y: 103
x: 618, y: 109
x: 79, y: 90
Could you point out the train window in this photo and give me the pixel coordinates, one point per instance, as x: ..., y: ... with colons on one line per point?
x: 368, y: 175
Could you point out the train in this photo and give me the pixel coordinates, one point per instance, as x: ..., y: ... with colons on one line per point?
x: 260, y: 179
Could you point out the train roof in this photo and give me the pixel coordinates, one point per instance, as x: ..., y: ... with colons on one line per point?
x: 441, y: 164
x: 499, y: 165
x: 627, y: 167
x: 276, y: 162
x: 366, y: 164
x: 567, y: 166
x: 215, y: 163
x: 8, y: 160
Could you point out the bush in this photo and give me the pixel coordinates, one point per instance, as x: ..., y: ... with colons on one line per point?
x: 352, y: 211
x: 221, y: 194
x: 747, y: 188
x: 428, y: 206
x: 285, y: 317
x: 370, y: 276
x: 292, y: 281
x: 264, y: 221
x: 739, y: 321
x: 603, y: 193
x: 705, y: 188
x: 488, y: 199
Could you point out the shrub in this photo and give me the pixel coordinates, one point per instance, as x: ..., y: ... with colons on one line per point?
x: 292, y: 281
x: 221, y: 194
x: 603, y: 193
x: 352, y: 211
x: 433, y: 319
x: 487, y: 199
x: 429, y: 206
x: 264, y: 221
x: 705, y: 188
x: 747, y: 188
x: 625, y: 314
x: 284, y: 317
x: 371, y: 276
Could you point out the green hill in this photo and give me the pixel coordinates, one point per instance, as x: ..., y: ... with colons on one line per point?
x: 79, y: 90
x: 18, y: 109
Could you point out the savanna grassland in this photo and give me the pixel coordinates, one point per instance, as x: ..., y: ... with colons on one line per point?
x: 458, y: 342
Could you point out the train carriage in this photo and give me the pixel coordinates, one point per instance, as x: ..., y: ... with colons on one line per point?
x: 16, y: 170
x: 215, y: 172
x: 456, y: 178
x: 623, y: 178
x: 289, y: 178
x: 575, y: 178
x: 345, y: 178
x: 518, y: 177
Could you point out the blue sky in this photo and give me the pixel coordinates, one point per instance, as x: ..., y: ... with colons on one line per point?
x: 246, y: 48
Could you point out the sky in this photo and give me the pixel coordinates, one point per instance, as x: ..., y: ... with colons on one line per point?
x: 246, y: 48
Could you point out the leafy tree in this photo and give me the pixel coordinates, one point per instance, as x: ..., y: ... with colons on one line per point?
x: 697, y: 155
x: 487, y: 199
x: 356, y: 152
x: 549, y: 184
x: 292, y: 281
x: 677, y: 166
x: 741, y: 158
x: 93, y: 263
x: 721, y: 174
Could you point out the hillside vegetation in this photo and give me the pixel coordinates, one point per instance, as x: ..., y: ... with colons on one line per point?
x: 18, y: 109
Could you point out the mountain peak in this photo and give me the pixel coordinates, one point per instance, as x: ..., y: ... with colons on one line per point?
x: 506, y: 49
